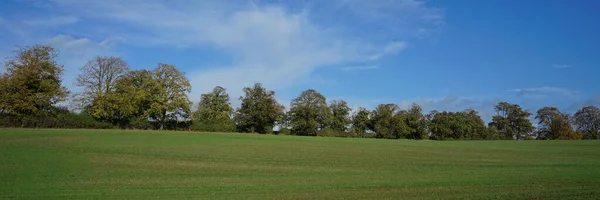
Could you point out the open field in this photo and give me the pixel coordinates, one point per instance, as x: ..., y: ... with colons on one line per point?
x: 109, y: 164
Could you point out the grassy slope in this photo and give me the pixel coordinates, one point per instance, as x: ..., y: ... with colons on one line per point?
x: 108, y: 164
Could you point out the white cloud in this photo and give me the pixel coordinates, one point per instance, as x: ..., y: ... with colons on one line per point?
x: 52, y: 21
x: 367, y: 67
x: 389, y: 49
x: 276, y: 44
x: 544, y: 92
x: 562, y: 66
x: 394, y: 47
x: 75, y: 52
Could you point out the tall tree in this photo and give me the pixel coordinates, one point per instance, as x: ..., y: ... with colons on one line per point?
x: 512, y: 121
x: 214, y: 112
x: 554, y: 124
x: 340, y: 115
x: 416, y: 122
x: 171, y: 101
x: 388, y: 121
x: 587, y: 120
x: 31, y: 85
x: 360, y: 122
x: 132, y: 96
x: 99, y: 76
x: 309, y: 113
x: 259, y: 111
x: 466, y: 125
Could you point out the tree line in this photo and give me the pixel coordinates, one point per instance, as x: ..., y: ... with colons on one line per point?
x: 115, y: 96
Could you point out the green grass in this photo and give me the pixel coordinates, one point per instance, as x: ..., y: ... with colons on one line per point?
x: 111, y: 164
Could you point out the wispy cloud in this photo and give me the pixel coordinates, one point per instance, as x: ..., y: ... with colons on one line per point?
x: 75, y: 52
x: 593, y: 101
x: 389, y: 49
x: 561, y: 66
x: 52, y: 21
x: 544, y: 92
x: 278, y: 44
x: 368, y: 67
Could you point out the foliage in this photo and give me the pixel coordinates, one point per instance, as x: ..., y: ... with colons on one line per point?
x: 416, y: 122
x: 340, y: 115
x: 170, y: 95
x: 360, y: 122
x: 512, y: 121
x: 309, y: 113
x: 98, y: 77
x: 388, y: 121
x: 30, y: 90
x: 62, y: 119
x: 587, y: 120
x: 131, y: 99
x: 31, y: 85
x: 554, y: 125
x: 466, y: 125
x: 259, y: 111
x: 214, y: 112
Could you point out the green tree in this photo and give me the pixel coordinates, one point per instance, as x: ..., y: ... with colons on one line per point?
x: 309, y: 113
x: 587, y: 120
x: 31, y: 85
x: 259, y: 111
x: 554, y: 124
x: 214, y: 112
x: 171, y: 89
x: 416, y: 122
x: 98, y: 77
x: 360, y: 122
x: 340, y: 115
x: 512, y: 121
x: 131, y: 99
x: 466, y: 125
x: 388, y: 121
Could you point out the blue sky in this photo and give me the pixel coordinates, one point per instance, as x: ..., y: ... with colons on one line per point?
x: 446, y: 55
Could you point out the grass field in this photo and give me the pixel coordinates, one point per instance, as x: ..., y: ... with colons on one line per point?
x: 109, y: 164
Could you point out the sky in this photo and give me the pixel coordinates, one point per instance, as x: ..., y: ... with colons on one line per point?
x: 443, y: 55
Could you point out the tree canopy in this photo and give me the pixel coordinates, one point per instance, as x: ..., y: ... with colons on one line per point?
x: 259, y: 110
x: 214, y: 112
x: 309, y: 113
x: 587, y: 120
x: 31, y: 86
x: 512, y: 121
x: 32, y: 95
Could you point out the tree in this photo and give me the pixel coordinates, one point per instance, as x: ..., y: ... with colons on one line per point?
x: 466, y: 125
x: 587, y: 120
x: 170, y: 95
x: 339, y: 115
x: 259, y: 111
x: 512, y: 121
x: 309, y: 113
x: 99, y: 76
x: 554, y: 124
x: 387, y: 121
x: 131, y: 99
x: 31, y: 85
x: 214, y: 112
x: 416, y: 122
x: 360, y: 122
